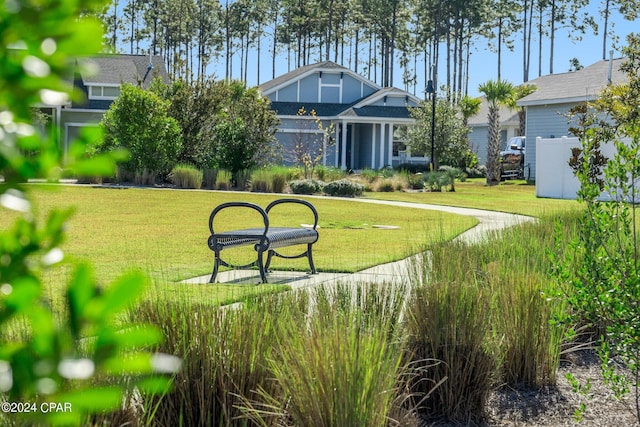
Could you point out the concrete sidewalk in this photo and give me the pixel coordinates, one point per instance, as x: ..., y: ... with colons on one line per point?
x: 489, y: 222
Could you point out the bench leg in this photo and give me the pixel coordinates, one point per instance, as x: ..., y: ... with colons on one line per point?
x: 310, y: 257
x: 216, y: 264
x: 262, y: 266
x: 308, y: 254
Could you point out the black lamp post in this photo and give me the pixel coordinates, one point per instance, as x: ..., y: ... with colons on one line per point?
x: 432, y: 90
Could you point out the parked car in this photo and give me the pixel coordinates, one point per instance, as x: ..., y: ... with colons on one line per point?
x: 512, y: 158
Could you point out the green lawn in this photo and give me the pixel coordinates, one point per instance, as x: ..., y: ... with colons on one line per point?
x: 510, y: 196
x: 165, y: 232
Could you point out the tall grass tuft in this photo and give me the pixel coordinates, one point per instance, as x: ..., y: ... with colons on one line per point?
x: 530, y: 342
x: 186, y: 176
x: 342, y: 366
x: 269, y: 180
x: 328, y: 174
x: 513, y: 268
x: 209, y: 178
x: 223, y: 353
x: 448, y: 325
x: 223, y: 180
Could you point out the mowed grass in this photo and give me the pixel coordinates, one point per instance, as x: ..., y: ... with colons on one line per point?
x: 510, y: 196
x: 164, y: 232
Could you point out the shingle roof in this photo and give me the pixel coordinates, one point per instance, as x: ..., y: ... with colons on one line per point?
x: 321, y: 109
x: 507, y: 115
x: 117, y: 69
x: 380, y: 111
x: 292, y: 75
x: 581, y: 85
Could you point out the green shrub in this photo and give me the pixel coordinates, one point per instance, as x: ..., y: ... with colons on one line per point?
x: 186, y: 176
x: 434, y: 181
x: 414, y: 181
x: 306, y: 186
x: 343, y: 188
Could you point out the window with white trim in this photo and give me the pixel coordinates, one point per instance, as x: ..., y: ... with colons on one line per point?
x: 104, y: 92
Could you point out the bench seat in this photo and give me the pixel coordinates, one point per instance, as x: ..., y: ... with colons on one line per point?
x: 263, y: 239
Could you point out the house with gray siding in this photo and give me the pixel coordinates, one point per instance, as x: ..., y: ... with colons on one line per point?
x: 547, y: 109
x: 479, y: 128
x: 98, y: 80
x: 366, y: 118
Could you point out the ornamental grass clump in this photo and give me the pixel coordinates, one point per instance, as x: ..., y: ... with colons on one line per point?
x: 340, y: 367
x: 223, y: 352
x: 530, y: 342
x: 209, y: 178
x: 448, y: 349
x: 268, y: 181
x: 223, y: 180
x: 186, y: 176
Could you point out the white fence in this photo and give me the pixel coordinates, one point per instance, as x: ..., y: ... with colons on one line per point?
x: 554, y: 177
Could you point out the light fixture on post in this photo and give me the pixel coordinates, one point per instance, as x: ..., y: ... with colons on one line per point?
x: 432, y: 90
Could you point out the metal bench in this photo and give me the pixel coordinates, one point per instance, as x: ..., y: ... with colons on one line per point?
x: 263, y: 239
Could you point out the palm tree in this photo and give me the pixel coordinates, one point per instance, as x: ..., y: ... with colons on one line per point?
x: 520, y: 92
x: 469, y: 107
x: 497, y: 92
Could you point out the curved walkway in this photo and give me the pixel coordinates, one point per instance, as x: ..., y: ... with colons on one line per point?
x: 489, y: 221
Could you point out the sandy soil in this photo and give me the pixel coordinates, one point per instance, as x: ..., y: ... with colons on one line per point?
x: 555, y: 406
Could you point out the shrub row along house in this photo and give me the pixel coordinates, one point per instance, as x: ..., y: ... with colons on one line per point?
x: 365, y: 119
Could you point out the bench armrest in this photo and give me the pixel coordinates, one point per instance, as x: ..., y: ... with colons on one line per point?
x: 299, y: 201
x: 261, y: 211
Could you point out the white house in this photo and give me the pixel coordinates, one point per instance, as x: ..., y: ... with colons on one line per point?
x: 366, y: 117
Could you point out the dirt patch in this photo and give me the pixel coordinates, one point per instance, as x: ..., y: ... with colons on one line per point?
x: 555, y: 406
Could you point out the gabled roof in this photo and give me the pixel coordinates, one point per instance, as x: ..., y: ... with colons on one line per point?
x: 508, y: 117
x: 387, y: 91
x: 322, y: 109
x: 304, y: 71
x: 379, y: 111
x: 117, y: 69
x: 362, y: 107
x: 577, y: 86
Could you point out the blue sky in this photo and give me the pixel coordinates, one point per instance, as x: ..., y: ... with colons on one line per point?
x: 483, y: 63
x: 587, y: 51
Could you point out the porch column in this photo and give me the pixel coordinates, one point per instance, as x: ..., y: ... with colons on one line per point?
x: 343, y: 150
x: 390, y: 148
x: 373, y: 145
x: 336, y: 160
x: 383, y: 137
